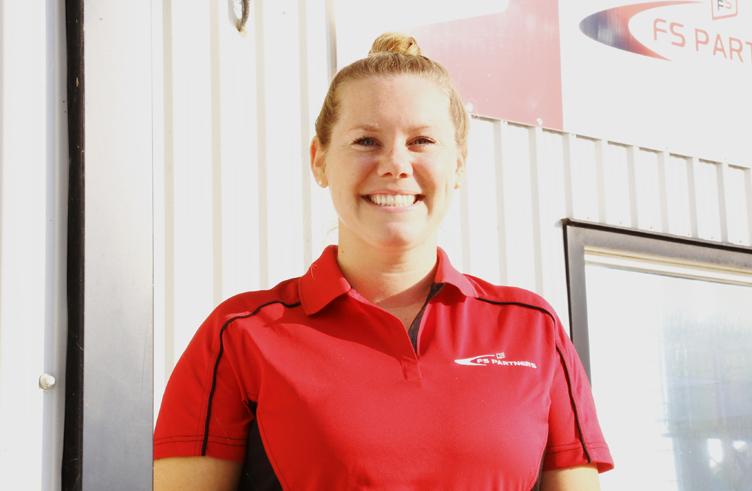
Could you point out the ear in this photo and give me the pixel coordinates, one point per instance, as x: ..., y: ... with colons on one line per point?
x: 318, y: 162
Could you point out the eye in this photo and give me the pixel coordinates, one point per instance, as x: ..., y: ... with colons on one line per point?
x: 366, y: 141
x: 422, y: 140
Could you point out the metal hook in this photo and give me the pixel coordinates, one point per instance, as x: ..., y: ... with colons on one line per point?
x: 240, y: 24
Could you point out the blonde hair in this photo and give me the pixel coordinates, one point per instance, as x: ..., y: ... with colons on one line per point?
x: 393, y: 54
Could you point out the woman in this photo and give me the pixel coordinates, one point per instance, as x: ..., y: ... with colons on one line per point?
x: 382, y: 367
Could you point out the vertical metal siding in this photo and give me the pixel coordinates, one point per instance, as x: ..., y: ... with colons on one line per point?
x: 615, y: 185
x: 737, y: 204
x: 585, y: 188
x: 235, y: 208
x: 554, y: 204
x: 282, y: 170
x: 118, y: 246
x: 647, y: 193
x: 482, y: 208
x: 679, y: 200
x: 249, y: 143
x: 517, y: 198
x: 33, y: 187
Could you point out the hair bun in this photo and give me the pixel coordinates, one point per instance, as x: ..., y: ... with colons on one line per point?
x: 394, y: 42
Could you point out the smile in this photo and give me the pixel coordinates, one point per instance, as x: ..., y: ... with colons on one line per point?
x: 393, y: 200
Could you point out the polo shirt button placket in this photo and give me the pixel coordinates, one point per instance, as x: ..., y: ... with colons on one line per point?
x: 410, y: 363
x: 410, y: 368
x: 408, y: 358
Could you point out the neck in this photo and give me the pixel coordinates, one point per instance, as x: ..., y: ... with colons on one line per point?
x: 391, y: 278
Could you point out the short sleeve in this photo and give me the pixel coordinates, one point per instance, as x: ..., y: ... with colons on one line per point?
x: 204, y: 410
x: 574, y: 435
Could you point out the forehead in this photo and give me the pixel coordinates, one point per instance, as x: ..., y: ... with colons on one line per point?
x: 399, y: 99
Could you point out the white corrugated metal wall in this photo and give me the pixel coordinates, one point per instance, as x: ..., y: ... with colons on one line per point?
x: 234, y: 205
x: 33, y: 193
x: 236, y: 209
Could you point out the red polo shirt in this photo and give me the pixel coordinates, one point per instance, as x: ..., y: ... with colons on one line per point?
x: 314, y: 386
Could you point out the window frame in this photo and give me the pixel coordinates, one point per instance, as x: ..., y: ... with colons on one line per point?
x: 578, y: 235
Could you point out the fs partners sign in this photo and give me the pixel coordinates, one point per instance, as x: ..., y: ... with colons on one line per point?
x: 674, y: 75
x: 670, y: 33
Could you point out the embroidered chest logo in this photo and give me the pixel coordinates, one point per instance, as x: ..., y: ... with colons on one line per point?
x: 494, y: 359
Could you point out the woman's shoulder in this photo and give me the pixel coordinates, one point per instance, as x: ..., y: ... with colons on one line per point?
x: 246, y: 303
x: 506, y: 295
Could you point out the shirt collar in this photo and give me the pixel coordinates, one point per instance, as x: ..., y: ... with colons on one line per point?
x: 324, y: 281
x: 445, y: 273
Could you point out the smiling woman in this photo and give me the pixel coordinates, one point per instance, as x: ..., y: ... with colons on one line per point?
x: 356, y: 374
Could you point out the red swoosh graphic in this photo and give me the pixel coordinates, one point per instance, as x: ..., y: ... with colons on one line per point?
x: 611, y: 26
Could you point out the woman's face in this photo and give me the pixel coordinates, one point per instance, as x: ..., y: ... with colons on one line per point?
x: 392, y: 162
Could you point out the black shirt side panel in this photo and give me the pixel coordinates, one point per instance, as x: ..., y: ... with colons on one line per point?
x: 258, y: 473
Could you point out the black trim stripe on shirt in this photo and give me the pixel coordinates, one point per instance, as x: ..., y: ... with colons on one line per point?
x: 563, y: 364
x: 574, y: 406
x: 219, y: 357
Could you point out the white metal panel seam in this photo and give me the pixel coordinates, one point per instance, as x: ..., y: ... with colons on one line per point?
x: 600, y: 179
x: 723, y: 199
x: 692, y: 182
x: 535, y: 200
x: 2, y: 170
x: 331, y: 22
x: 748, y: 189
x: 263, y: 231
x: 216, y: 148
x: 662, y: 189
x: 159, y: 139
x: 632, y: 173
x: 167, y: 203
x: 568, y: 174
x: 501, y: 138
x: 304, y: 136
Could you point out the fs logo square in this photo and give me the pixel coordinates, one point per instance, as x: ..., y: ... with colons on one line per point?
x: 724, y: 8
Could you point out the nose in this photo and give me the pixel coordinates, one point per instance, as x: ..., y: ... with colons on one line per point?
x: 396, y: 162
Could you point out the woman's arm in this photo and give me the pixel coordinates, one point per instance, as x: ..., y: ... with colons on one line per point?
x: 580, y: 478
x: 196, y: 474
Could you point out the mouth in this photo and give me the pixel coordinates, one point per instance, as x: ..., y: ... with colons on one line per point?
x: 393, y: 200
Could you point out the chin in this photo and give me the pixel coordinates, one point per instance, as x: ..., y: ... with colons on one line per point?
x: 399, y: 239
x: 387, y: 236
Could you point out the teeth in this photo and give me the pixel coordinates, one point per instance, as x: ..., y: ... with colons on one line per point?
x: 397, y: 200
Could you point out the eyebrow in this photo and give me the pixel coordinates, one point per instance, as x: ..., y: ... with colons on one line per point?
x: 375, y: 128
